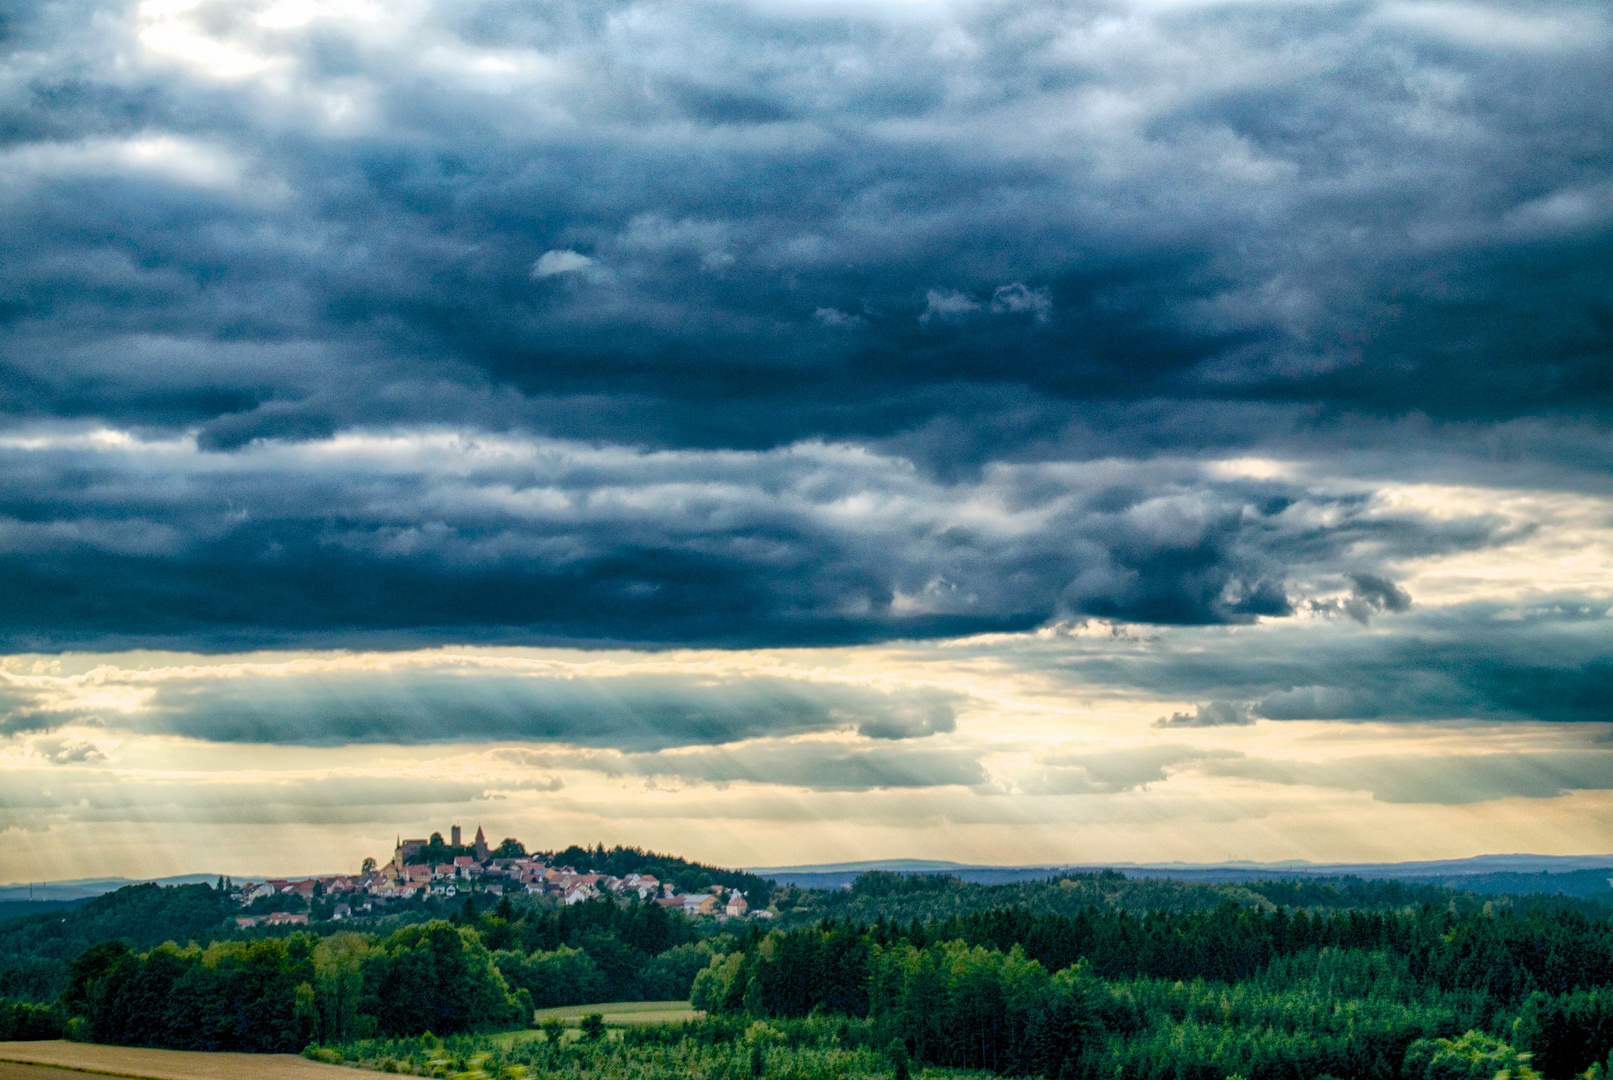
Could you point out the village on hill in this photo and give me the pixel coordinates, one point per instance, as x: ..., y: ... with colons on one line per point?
x: 447, y: 870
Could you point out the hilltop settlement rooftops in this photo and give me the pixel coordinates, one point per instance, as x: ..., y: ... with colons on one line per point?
x: 452, y: 869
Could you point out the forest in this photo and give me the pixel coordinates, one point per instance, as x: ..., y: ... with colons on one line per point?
x: 1086, y: 976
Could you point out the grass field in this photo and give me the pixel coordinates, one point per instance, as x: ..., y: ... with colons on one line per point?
x: 622, y: 1013
x: 23, y: 1061
x: 616, y: 1014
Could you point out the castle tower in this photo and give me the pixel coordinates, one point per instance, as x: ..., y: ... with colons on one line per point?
x: 455, y: 833
x: 481, y: 845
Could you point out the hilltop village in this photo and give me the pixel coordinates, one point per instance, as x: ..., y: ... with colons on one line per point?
x: 447, y: 870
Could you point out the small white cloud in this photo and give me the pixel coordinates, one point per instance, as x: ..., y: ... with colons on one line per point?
x: 946, y: 304
x: 1019, y: 299
x: 829, y: 316
x: 554, y: 263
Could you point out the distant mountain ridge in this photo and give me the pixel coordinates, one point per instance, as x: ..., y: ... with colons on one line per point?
x: 1575, y: 875
x: 1586, y: 874
x: 84, y: 888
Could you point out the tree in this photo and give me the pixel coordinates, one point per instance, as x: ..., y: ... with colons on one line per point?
x: 509, y: 848
x: 593, y: 1027
x: 1475, y: 1056
x: 436, y: 977
x: 367, y: 866
x: 897, y: 1052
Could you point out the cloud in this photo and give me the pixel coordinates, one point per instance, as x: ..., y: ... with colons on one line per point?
x: 1472, y: 661
x: 959, y: 320
x: 1020, y: 300
x: 1369, y: 595
x: 946, y: 304
x: 67, y: 750
x: 1110, y: 772
x: 31, y: 799
x: 815, y: 765
x: 1450, y: 779
x: 1380, y: 211
x: 632, y: 704
x: 1212, y: 714
x: 554, y: 263
x: 399, y: 537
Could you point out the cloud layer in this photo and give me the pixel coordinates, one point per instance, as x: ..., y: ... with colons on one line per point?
x: 954, y: 236
x: 421, y: 536
x: 1184, y: 417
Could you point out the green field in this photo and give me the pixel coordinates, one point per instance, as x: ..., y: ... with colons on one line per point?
x: 623, y: 1013
x: 616, y: 1014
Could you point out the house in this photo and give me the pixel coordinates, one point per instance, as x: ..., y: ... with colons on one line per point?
x: 492, y: 889
x: 246, y: 922
x: 644, y: 885
x: 737, y: 906
x: 699, y: 904
x: 579, y: 891
x: 340, y: 912
x: 286, y: 918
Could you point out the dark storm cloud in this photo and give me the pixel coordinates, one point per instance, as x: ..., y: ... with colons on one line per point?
x: 401, y: 537
x: 1026, y: 231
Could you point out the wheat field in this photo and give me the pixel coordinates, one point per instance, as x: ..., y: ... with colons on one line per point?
x: 51, y: 1060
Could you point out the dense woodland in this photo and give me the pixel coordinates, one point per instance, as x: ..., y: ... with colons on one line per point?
x: 1088, y: 976
x: 1282, y: 994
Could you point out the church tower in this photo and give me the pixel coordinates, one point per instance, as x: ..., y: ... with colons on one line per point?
x: 481, y: 845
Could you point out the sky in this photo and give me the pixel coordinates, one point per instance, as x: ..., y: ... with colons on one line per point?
x: 788, y: 431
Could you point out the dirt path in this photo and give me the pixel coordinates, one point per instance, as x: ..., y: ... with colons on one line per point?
x: 53, y: 1060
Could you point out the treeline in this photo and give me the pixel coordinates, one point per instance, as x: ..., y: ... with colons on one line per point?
x: 35, y: 949
x: 929, y: 897
x: 597, y: 951
x: 685, y: 876
x: 1504, y: 956
x: 1274, y: 996
x: 277, y: 995
x: 823, y: 1048
x: 482, y: 971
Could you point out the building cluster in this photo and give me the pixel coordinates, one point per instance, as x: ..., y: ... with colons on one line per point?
x: 408, y: 875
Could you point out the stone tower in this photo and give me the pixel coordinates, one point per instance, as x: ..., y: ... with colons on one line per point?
x: 455, y: 833
x: 481, y: 845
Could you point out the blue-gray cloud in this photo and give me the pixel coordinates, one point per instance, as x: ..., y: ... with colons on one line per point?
x: 1464, y: 662
x: 960, y: 236
x: 445, y: 703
